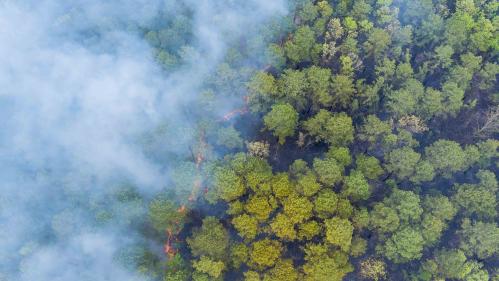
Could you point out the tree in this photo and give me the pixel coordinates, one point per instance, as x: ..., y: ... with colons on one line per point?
x: 402, y: 162
x: 325, y: 203
x: 229, y: 137
x: 329, y: 172
x: 308, y: 184
x: 446, y: 157
x: 384, y: 219
x: 211, y: 240
x: 323, y: 264
x: 301, y: 46
x: 259, y: 206
x: 335, y: 129
x: 356, y: 186
x: 340, y: 154
x: 404, y: 245
x: 343, y: 90
x: 165, y: 215
x: 282, y: 121
x: 297, y: 208
x: 319, y: 83
x: 227, y: 185
x: 476, y: 200
x: 262, y: 90
x: 339, y: 232
x: 283, y: 270
x: 265, y: 253
x: 209, y: 266
x: 246, y: 226
x: 479, y: 239
x: 377, y: 42
x: 369, y: 166
x: 293, y: 88
x: 283, y: 227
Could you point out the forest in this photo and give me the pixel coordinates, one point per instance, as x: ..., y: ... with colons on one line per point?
x: 324, y: 141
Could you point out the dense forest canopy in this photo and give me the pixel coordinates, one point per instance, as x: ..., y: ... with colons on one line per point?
x: 297, y: 140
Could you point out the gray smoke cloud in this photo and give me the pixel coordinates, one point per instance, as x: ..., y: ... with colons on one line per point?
x: 73, y: 104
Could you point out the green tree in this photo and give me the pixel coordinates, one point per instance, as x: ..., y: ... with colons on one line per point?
x: 209, y: 266
x: 210, y: 240
x: 446, y: 157
x: 164, y: 215
x: 301, y: 46
x: 283, y: 227
x: 325, y: 203
x: 265, y: 253
x: 356, y: 186
x: 329, y: 172
x: 479, y: 239
x: 404, y: 245
x: 339, y: 232
x: 282, y: 121
x: 335, y: 129
x: 293, y: 88
x: 246, y: 226
x: 369, y: 166
x: 402, y: 162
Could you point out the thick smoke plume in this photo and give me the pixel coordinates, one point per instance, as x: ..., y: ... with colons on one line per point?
x: 78, y: 87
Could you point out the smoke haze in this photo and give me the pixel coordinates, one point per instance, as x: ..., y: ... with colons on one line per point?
x: 78, y: 87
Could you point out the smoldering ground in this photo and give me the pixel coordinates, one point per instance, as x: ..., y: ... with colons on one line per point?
x: 78, y: 86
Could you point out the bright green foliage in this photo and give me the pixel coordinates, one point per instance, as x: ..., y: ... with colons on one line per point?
x: 432, y: 228
x: 446, y: 157
x: 309, y: 229
x: 404, y: 101
x: 369, y: 166
x: 424, y: 172
x: 211, y: 240
x: 283, y: 227
x: 259, y: 206
x: 281, y: 186
x: 339, y: 233
x: 360, y: 218
x: 373, y: 129
x: 384, y: 219
x: 356, y: 186
x: 262, y: 89
x: 479, y: 239
x: 358, y: 247
x: 209, y: 266
x: 251, y: 276
x: 265, y: 253
x: 476, y: 200
x: 448, y: 264
x: 335, y: 129
x: 227, y: 185
x: 325, y: 203
x: 164, y: 215
x: 402, y: 162
x: 246, y: 226
x: 300, y: 48
x: 283, y: 270
x: 322, y: 264
x: 343, y: 90
x: 440, y: 207
x: 340, y: 154
x: 407, y: 204
x: 377, y: 42
x: 239, y: 254
x: 297, y: 208
x: 308, y: 184
x: 344, y: 208
x: 404, y: 245
x: 282, y: 121
x: 329, y: 172
x: 292, y: 88
x: 319, y: 83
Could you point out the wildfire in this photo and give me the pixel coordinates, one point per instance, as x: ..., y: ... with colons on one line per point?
x: 239, y: 111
